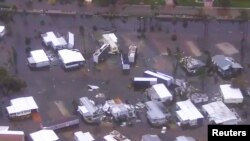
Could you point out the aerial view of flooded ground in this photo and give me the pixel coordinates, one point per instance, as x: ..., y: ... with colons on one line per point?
x: 160, y: 45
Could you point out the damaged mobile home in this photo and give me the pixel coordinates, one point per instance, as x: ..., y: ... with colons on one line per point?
x: 38, y: 59
x: 218, y: 113
x: 155, y: 113
x: 112, y: 41
x: 89, y: 111
x: 188, y: 114
x: 118, y: 110
x: 101, y: 54
x: 115, y: 136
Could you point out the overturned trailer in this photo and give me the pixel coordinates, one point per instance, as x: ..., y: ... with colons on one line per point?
x: 125, y: 64
x: 62, y: 123
x: 162, y: 78
x: 143, y: 82
x: 101, y: 54
x: 132, y: 54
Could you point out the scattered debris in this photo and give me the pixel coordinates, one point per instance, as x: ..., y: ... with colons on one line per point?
x: 93, y: 87
x: 100, y: 95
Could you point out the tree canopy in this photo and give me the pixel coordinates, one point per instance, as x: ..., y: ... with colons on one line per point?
x: 10, y: 83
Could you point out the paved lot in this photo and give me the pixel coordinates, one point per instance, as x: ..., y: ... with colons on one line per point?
x: 54, y: 84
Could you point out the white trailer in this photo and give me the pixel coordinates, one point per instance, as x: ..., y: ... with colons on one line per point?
x: 230, y: 94
x: 71, y: 58
x: 159, y: 92
x: 162, y: 78
x: 143, y: 82
x: 38, y: 59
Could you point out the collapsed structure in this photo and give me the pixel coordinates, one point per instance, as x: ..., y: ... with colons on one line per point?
x: 118, y: 109
x: 101, y: 54
x: 226, y: 66
x: 191, y: 65
x: 89, y: 111
x: 156, y: 114
x: 116, y: 136
x: 112, y: 41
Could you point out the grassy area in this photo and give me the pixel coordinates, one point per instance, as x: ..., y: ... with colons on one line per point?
x: 188, y: 3
x: 235, y: 3
x: 150, y: 2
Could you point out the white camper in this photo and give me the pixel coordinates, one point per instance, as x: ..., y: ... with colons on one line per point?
x: 159, y: 92
x: 38, y: 59
x: 71, y: 58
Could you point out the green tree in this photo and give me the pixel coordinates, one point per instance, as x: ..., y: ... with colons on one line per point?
x: 10, y: 83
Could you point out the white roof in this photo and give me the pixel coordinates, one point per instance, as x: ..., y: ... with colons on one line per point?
x: 83, y: 110
x: 71, y: 38
x: 39, y: 56
x: 184, y: 138
x: 219, y: 112
x: 189, y: 110
x: 109, y: 138
x: 182, y: 116
x: 4, y: 128
x: 159, y: 75
x: 162, y: 90
x: 50, y: 37
x: 145, y: 79
x: 110, y: 39
x: 83, y: 136
x: 70, y: 56
x: 22, y: 104
x: 230, y: 93
x: 44, y: 135
x: 11, y: 132
x: 2, y: 28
